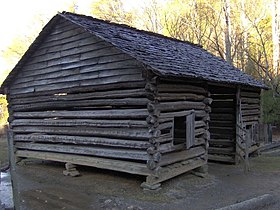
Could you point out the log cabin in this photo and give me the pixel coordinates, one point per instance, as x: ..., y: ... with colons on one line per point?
x: 95, y: 93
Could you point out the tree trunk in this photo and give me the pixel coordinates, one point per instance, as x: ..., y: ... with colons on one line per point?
x: 227, y: 31
x: 276, y: 35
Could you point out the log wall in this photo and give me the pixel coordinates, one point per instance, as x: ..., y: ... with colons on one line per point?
x: 222, y: 124
x: 78, y: 99
x: 250, y: 108
x: 169, y: 99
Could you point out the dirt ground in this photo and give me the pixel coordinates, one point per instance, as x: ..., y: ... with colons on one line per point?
x: 43, y: 186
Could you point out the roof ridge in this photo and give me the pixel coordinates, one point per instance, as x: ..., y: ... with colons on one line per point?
x: 130, y: 27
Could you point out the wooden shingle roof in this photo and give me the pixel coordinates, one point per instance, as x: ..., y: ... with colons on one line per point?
x: 163, y: 55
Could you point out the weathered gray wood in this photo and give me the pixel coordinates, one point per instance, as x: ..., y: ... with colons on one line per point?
x: 78, y: 83
x: 222, y: 117
x: 132, y: 133
x: 221, y: 158
x: 62, y: 54
x: 84, y: 89
x: 83, y: 103
x: 250, y: 94
x: 199, y: 124
x: 251, y: 106
x: 174, y: 157
x: 190, y: 128
x: 12, y: 163
x: 221, y: 150
x: 179, y: 105
x: 110, y: 94
x: 82, y: 140
x: 223, y: 110
x: 73, y: 68
x: 81, y: 122
x: 85, y: 150
x: 63, y: 39
x: 84, y: 40
x: 104, y: 163
x: 172, y: 88
x: 251, y: 112
x: 222, y: 104
x: 174, y: 170
x: 250, y: 100
x: 179, y: 96
x: 222, y: 142
x: 75, y: 76
x: 97, y: 114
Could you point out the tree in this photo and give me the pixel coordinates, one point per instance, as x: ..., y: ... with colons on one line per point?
x: 112, y: 10
x: 276, y: 35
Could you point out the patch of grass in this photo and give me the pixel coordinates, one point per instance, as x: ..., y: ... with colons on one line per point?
x: 266, y: 164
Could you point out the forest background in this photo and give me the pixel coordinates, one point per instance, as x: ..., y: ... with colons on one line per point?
x: 245, y: 33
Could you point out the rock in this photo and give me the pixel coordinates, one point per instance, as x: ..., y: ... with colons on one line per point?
x: 72, y: 173
x: 70, y: 166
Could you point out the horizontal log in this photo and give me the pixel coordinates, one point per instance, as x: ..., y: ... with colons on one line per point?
x: 78, y: 74
x: 100, y: 56
x: 223, y: 96
x: 223, y: 110
x: 170, y: 147
x: 222, y: 158
x: 75, y: 50
x: 132, y: 133
x: 222, y: 117
x: 85, y: 89
x: 223, y: 104
x: 110, y: 94
x: 222, y: 150
x: 229, y: 130
x: 179, y: 96
x: 199, y: 124
x: 250, y: 94
x: 221, y: 142
x: 75, y: 35
x: 251, y: 118
x: 104, y: 163
x: 251, y: 112
x: 221, y: 90
x: 249, y: 107
x: 80, y: 122
x: 79, y: 83
x: 222, y: 136
x: 82, y: 150
x: 97, y: 114
x: 174, y: 157
x: 62, y: 36
x: 199, y: 131
x: 217, y: 123
x: 82, y: 140
x: 180, y: 88
x: 70, y: 69
x: 179, y: 105
x: 174, y: 170
x: 84, y: 103
x: 250, y: 100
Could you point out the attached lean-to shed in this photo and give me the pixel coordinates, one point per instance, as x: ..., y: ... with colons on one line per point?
x: 96, y: 93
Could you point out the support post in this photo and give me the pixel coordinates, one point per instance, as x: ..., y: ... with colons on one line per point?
x: 12, y: 161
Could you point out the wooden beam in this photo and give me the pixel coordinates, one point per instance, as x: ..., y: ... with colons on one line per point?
x: 104, y: 163
x: 85, y: 150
